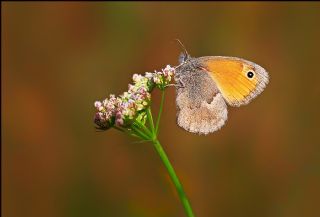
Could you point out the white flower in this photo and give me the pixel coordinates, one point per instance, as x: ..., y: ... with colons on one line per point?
x: 148, y: 75
x: 97, y: 104
x: 136, y: 78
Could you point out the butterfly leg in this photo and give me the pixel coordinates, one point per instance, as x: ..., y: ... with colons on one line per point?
x: 180, y: 85
x: 175, y: 85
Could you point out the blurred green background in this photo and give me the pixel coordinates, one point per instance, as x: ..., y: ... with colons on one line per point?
x: 58, y: 58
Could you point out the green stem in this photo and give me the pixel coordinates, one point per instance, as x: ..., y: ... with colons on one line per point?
x: 140, y: 133
x: 142, y: 126
x: 160, y: 112
x: 125, y: 131
x: 174, y: 178
x: 146, y: 134
x: 149, y: 117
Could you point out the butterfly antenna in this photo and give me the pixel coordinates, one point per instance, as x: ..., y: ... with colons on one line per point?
x: 184, y: 49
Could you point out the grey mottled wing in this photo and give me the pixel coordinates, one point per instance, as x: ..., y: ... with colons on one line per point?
x: 201, y: 107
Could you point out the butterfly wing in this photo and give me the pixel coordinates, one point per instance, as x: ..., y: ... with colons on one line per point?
x: 201, y: 108
x: 238, y: 80
x: 203, y: 119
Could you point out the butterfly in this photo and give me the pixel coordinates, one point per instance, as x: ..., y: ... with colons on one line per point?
x: 206, y: 85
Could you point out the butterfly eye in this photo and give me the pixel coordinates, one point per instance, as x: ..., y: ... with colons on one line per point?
x: 250, y: 74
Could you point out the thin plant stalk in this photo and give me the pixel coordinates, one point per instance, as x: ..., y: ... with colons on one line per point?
x: 149, y: 117
x: 166, y: 161
x: 146, y: 130
x: 174, y: 178
x: 160, y: 111
x: 125, y: 131
x: 140, y: 133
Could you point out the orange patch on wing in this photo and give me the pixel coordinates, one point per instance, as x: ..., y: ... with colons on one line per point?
x: 230, y: 77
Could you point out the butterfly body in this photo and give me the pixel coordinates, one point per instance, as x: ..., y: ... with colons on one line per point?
x: 205, y: 86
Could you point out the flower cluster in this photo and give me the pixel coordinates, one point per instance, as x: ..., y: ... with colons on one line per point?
x: 131, y: 105
x: 163, y: 78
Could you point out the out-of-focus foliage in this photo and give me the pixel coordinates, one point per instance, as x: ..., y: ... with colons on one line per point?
x: 58, y: 58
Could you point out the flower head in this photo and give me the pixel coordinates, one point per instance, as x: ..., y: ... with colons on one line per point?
x: 123, y: 110
x: 163, y: 78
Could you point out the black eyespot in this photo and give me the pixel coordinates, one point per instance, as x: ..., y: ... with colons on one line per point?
x: 250, y: 74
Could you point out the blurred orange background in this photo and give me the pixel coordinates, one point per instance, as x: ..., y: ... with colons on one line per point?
x: 58, y: 58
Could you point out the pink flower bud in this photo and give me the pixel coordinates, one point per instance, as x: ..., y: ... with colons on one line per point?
x: 118, y: 114
x: 97, y: 104
x: 119, y: 122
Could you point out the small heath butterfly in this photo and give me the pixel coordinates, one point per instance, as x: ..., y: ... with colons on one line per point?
x: 206, y: 85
